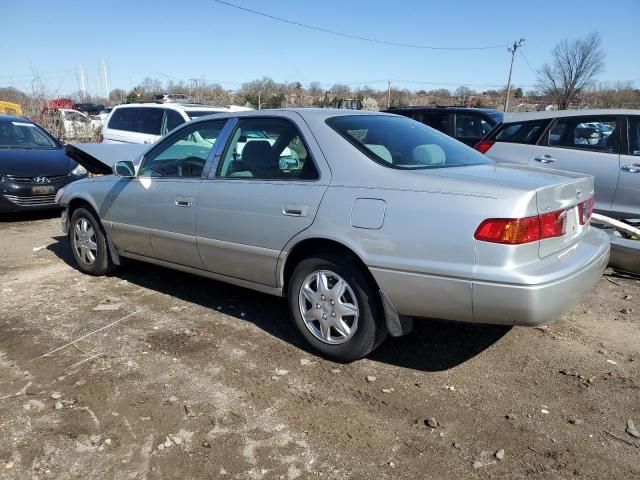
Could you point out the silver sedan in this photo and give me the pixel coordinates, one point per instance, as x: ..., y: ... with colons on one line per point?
x: 364, y: 221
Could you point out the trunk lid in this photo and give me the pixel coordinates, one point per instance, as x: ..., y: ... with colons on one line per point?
x: 555, y: 190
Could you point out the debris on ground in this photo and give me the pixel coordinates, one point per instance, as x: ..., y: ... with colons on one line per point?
x: 570, y: 372
x: 37, y: 249
x: 371, y: 378
x: 484, y: 459
x: 431, y: 422
x: 109, y: 304
x: 631, y: 429
x: 500, y: 454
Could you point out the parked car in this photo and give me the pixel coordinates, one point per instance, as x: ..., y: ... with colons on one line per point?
x: 468, y: 125
x: 147, y: 122
x: 89, y: 108
x: 171, y: 98
x: 104, y: 113
x: 380, y: 220
x: 33, y: 166
x: 602, y: 143
x: 70, y: 124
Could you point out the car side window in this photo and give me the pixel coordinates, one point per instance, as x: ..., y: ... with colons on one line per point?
x: 183, y: 154
x: 585, y: 133
x: 268, y: 149
x: 439, y: 121
x: 522, y: 132
x: 121, y: 119
x: 148, y: 120
x: 173, y: 119
x: 634, y: 135
x: 471, y: 126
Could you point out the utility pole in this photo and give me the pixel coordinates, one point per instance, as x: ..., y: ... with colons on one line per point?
x: 81, y: 82
x: 259, y: 101
x: 513, y: 50
x: 106, y: 81
x: 389, y: 94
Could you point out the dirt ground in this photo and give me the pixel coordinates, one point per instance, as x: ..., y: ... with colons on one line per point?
x: 201, y: 380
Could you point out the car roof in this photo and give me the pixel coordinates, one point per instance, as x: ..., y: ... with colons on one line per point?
x: 12, y: 118
x: 525, y: 116
x: 174, y: 106
x: 306, y: 113
x: 444, y: 107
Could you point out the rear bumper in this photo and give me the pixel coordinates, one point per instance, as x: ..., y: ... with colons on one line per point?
x: 568, y: 277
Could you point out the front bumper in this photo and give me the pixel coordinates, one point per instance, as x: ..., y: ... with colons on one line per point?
x: 569, y: 276
x: 64, y: 221
x: 23, y: 196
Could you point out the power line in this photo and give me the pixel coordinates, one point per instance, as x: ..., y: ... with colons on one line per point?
x: 524, y: 57
x: 349, y: 35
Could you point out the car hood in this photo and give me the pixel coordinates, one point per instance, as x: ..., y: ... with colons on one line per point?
x: 33, y: 163
x: 100, y: 157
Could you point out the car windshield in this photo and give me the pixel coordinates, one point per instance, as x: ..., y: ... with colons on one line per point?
x: 200, y: 113
x: 402, y: 143
x: 24, y: 135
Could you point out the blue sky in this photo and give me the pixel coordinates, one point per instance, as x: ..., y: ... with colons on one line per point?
x: 206, y: 40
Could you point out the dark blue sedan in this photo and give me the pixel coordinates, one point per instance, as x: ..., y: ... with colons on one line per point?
x: 33, y: 166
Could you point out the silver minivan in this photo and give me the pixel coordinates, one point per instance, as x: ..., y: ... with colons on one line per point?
x: 602, y: 143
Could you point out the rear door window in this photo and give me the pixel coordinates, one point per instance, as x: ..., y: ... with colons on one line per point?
x: 634, y: 136
x: 585, y: 133
x: 439, y: 121
x: 122, y: 119
x: 148, y: 120
x: 522, y: 132
x: 173, y: 119
x: 471, y: 126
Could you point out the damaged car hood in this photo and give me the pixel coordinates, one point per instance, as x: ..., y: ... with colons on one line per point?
x: 101, y: 157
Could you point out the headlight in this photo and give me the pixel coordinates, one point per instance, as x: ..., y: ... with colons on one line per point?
x: 59, y: 195
x: 79, y: 171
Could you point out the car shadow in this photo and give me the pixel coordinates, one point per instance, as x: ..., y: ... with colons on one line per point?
x: 29, y: 216
x: 432, y: 346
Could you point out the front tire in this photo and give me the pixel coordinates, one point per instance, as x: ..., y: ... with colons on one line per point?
x: 336, y: 307
x: 89, y: 243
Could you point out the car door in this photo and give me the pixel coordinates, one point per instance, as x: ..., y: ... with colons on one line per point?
x: 589, y: 144
x: 153, y: 214
x: 266, y: 188
x: 626, y: 202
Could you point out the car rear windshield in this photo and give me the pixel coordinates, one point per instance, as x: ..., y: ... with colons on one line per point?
x: 520, y: 132
x: 403, y: 143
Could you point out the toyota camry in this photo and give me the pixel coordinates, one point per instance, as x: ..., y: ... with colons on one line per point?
x: 363, y: 221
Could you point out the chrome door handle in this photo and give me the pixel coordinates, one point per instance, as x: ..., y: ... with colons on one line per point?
x: 184, y: 201
x: 295, y: 210
x: 545, y: 159
x: 635, y: 168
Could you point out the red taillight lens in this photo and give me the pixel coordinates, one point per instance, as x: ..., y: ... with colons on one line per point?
x: 483, y: 146
x: 100, y: 138
x: 516, y: 231
x: 585, y: 209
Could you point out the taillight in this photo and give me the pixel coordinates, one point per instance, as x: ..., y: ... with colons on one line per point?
x: 585, y: 209
x: 483, y: 146
x: 100, y: 138
x: 516, y: 231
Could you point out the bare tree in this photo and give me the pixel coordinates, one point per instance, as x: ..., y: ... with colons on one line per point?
x: 575, y: 65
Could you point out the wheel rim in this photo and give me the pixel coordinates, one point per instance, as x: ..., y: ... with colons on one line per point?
x: 329, y: 307
x: 84, y: 241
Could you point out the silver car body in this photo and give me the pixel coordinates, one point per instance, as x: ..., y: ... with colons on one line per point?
x: 616, y: 172
x: 414, y: 230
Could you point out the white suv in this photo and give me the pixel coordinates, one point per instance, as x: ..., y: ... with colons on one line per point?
x: 147, y: 122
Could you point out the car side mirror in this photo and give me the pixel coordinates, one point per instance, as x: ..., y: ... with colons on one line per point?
x: 124, y: 168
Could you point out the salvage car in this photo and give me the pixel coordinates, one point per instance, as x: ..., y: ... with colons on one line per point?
x: 602, y: 143
x: 33, y: 166
x: 379, y: 220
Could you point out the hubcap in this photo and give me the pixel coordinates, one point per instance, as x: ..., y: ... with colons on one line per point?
x: 328, y: 307
x: 84, y: 241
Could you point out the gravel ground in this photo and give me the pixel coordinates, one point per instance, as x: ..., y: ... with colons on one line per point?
x: 175, y: 376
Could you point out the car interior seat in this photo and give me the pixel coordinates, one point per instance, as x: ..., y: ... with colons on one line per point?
x: 258, y: 159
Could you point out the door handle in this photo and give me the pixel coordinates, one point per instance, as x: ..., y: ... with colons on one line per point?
x: 545, y: 159
x: 184, y: 201
x: 635, y: 168
x: 295, y: 210
x: 148, y: 141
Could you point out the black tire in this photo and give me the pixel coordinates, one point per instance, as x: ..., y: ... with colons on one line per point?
x: 102, y: 263
x: 371, y: 328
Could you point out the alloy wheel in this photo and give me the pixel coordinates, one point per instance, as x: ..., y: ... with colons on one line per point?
x: 84, y: 241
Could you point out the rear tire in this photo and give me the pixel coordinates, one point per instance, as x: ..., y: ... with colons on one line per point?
x: 89, y: 243
x: 336, y: 307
